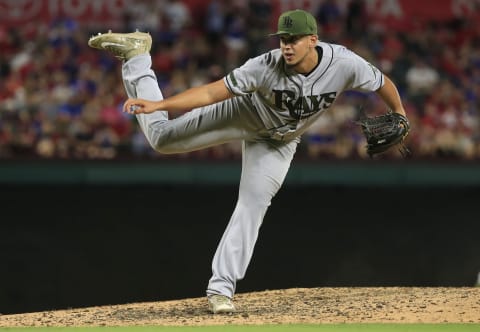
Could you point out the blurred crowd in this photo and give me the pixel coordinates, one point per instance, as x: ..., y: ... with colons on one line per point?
x: 60, y: 99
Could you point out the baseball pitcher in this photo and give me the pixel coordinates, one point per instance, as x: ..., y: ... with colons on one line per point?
x: 267, y: 103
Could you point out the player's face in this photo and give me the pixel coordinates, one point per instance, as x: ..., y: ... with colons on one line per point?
x: 297, y: 50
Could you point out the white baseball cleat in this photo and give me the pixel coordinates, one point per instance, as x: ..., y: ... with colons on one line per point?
x: 122, y: 45
x: 220, y: 304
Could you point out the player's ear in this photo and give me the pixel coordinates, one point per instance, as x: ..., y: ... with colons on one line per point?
x: 313, y: 40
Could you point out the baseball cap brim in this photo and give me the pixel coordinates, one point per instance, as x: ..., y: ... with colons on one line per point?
x: 279, y: 33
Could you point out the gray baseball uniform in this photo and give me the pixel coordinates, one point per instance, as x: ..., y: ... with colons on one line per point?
x: 273, y: 107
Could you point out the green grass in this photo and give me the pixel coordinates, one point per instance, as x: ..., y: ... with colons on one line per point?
x: 267, y: 328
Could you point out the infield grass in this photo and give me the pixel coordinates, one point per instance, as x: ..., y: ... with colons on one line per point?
x: 266, y: 328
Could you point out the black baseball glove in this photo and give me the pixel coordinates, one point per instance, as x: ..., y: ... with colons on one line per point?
x: 384, y: 131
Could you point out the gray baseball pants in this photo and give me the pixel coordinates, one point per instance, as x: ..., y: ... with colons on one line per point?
x: 265, y: 163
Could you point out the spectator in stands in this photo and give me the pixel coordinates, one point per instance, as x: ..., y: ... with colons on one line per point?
x: 50, y: 83
x: 421, y: 80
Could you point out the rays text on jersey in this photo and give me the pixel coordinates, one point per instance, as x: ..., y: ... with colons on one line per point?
x: 303, y: 106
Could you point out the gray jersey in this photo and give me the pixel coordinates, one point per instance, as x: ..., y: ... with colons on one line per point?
x: 288, y: 102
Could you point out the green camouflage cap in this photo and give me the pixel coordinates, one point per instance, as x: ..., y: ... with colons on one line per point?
x: 296, y: 22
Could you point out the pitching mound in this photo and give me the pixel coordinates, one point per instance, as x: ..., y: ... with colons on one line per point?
x: 300, y: 305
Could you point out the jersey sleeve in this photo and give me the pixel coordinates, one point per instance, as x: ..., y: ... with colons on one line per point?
x: 248, y: 77
x: 365, y: 76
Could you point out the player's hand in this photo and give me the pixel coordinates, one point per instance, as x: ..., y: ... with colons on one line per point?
x: 139, y: 106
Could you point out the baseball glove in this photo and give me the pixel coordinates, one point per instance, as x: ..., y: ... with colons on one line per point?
x: 384, y: 131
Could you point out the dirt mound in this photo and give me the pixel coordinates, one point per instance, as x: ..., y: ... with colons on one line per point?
x: 299, y: 305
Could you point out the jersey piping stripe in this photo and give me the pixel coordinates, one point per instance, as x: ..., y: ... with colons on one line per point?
x: 301, y: 93
x: 233, y: 79
x: 269, y: 58
x: 328, y: 66
x: 229, y: 87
